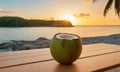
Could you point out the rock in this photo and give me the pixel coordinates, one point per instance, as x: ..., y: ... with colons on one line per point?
x: 5, y: 50
x: 44, y: 42
x: 26, y: 45
x: 111, y: 39
x: 41, y: 38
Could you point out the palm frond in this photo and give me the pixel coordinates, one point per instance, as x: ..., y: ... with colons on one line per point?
x: 107, y: 7
x: 117, y: 7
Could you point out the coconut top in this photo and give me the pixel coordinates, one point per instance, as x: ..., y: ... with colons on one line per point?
x: 66, y: 36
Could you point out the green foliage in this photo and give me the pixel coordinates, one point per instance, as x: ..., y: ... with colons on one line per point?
x: 117, y: 7
x: 9, y: 21
x: 109, y: 4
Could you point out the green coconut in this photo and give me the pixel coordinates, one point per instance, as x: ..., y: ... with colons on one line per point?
x: 66, y: 48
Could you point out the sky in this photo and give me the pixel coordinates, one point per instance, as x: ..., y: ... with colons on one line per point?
x: 79, y: 12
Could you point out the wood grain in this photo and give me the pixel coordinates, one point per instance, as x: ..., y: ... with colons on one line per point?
x: 93, y: 57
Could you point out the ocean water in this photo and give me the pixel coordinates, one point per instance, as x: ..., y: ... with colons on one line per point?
x: 32, y: 33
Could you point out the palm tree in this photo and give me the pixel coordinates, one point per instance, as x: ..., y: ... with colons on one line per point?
x: 109, y: 4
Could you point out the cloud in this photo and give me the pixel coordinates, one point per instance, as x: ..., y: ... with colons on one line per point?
x: 0, y: 9
x: 7, y: 11
x: 87, y: 2
x: 81, y: 15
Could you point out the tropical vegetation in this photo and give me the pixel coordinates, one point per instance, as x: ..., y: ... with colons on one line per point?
x: 10, y: 21
x: 109, y: 4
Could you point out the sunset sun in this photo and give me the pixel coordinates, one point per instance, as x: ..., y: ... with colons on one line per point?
x: 69, y: 18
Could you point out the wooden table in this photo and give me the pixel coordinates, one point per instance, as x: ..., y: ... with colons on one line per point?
x: 94, y: 57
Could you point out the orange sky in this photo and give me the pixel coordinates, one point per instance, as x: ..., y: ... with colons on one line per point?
x: 84, y: 13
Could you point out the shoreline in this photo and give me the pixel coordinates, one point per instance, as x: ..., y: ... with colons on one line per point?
x: 42, y: 42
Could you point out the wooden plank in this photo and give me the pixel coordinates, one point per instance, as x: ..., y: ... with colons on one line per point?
x: 24, y: 57
x: 81, y: 65
x: 113, y: 68
x: 39, y: 52
x: 14, y: 53
x: 27, y: 53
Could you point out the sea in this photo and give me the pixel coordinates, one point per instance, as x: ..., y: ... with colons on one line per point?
x: 33, y: 33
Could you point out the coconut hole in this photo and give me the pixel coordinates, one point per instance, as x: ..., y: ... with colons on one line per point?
x: 66, y: 36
